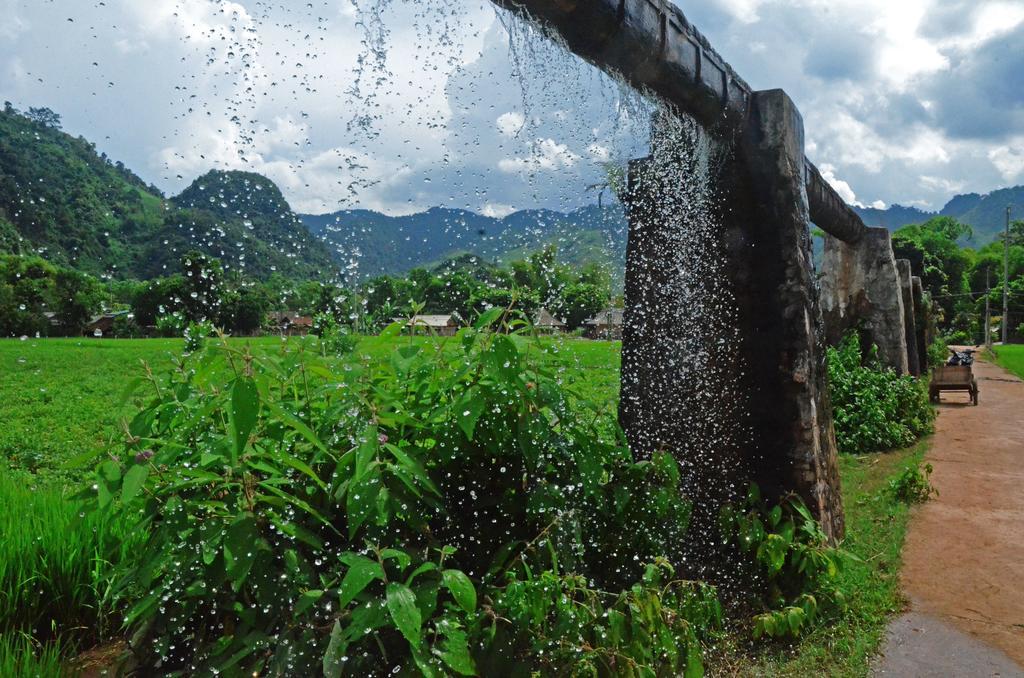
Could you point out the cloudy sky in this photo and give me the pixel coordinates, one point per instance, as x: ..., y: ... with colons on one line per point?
x: 399, y: 105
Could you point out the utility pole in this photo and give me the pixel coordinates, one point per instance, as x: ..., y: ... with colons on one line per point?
x: 988, y: 309
x: 1006, y: 280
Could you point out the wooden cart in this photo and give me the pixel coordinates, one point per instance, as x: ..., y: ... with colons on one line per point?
x: 953, y: 378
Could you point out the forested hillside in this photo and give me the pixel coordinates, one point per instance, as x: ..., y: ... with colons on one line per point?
x: 62, y: 200
x: 985, y: 214
x: 380, y: 244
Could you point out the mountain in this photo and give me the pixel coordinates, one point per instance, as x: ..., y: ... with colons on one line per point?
x: 986, y: 214
x: 373, y: 243
x: 243, y: 219
x: 62, y: 200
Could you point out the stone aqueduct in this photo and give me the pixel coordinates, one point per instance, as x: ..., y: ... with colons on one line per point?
x: 770, y: 195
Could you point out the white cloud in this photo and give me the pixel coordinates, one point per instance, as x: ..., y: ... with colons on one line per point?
x: 1009, y: 159
x: 545, y: 155
x: 497, y: 210
x: 510, y: 124
x: 828, y: 173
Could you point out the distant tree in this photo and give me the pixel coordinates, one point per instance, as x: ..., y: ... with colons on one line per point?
x: 76, y: 298
x: 1016, y: 234
x: 204, y: 280
x: 44, y: 117
x: 243, y: 310
x: 580, y: 301
x: 159, y: 297
x: 939, y: 260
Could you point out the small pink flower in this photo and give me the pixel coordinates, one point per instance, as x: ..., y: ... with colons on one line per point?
x: 382, y: 438
x: 144, y: 456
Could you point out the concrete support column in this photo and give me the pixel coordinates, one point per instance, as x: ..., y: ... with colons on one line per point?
x: 793, y: 415
x: 860, y: 290
x: 774, y: 420
x: 909, y: 324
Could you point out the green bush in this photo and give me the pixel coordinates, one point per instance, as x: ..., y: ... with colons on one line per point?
x: 309, y: 517
x: 959, y: 338
x: 334, y: 339
x: 912, y: 486
x: 792, y: 558
x: 196, y: 335
x: 873, y: 407
x: 938, y: 352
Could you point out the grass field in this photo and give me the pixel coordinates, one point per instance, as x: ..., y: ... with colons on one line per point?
x: 64, y: 398
x: 62, y: 402
x: 1011, y: 357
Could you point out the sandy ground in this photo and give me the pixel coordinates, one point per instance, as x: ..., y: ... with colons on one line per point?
x: 964, y: 554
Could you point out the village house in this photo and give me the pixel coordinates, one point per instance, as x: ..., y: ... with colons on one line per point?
x: 441, y: 325
x: 546, y: 323
x: 101, y: 325
x: 289, y: 323
x: 605, y: 325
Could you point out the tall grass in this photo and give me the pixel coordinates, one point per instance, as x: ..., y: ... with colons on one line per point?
x: 20, y: 657
x: 55, y: 560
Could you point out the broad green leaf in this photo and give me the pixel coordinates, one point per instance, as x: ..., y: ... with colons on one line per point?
x: 361, y: 500
x: 392, y: 330
x: 133, y: 481
x: 401, y: 557
x: 402, y: 606
x: 361, y: 571
x: 488, y: 317
x: 332, y: 663
x: 366, y: 451
x: 461, y: 589
x: 455, y: 650
x: 245, y: 411
x: 468, y: 411
x: 307, y: 600
x: 241, y: 542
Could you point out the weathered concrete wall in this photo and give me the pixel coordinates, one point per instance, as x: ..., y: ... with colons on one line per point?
x: 860, y: 289
x: 779, y: 365
x: 909, y: 324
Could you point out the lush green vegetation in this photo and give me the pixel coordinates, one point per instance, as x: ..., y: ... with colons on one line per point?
x: 876, y: 524
x: 955, y: 277
x: 94, y: 375
x: 874, y: 408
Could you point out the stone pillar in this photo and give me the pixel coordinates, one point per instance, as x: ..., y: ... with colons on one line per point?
x: 909, y: 326
x: 771, y: 391
x: 791, y: 408
x: 921, y: 321
x: 860, y: 290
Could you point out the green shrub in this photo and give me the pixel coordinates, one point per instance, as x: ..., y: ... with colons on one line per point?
x: 196, y: 334
x: 938, y: 352
x: 792, y: 558
x: 873, y: 407
x: 309, y: 517
x: 170, y: 325
x: 912, y: 486
x: 334, y: 339
x: 959, y: 338
x: 569, y: 628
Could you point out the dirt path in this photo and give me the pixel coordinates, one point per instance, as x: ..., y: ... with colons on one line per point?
x: 964, y: 555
